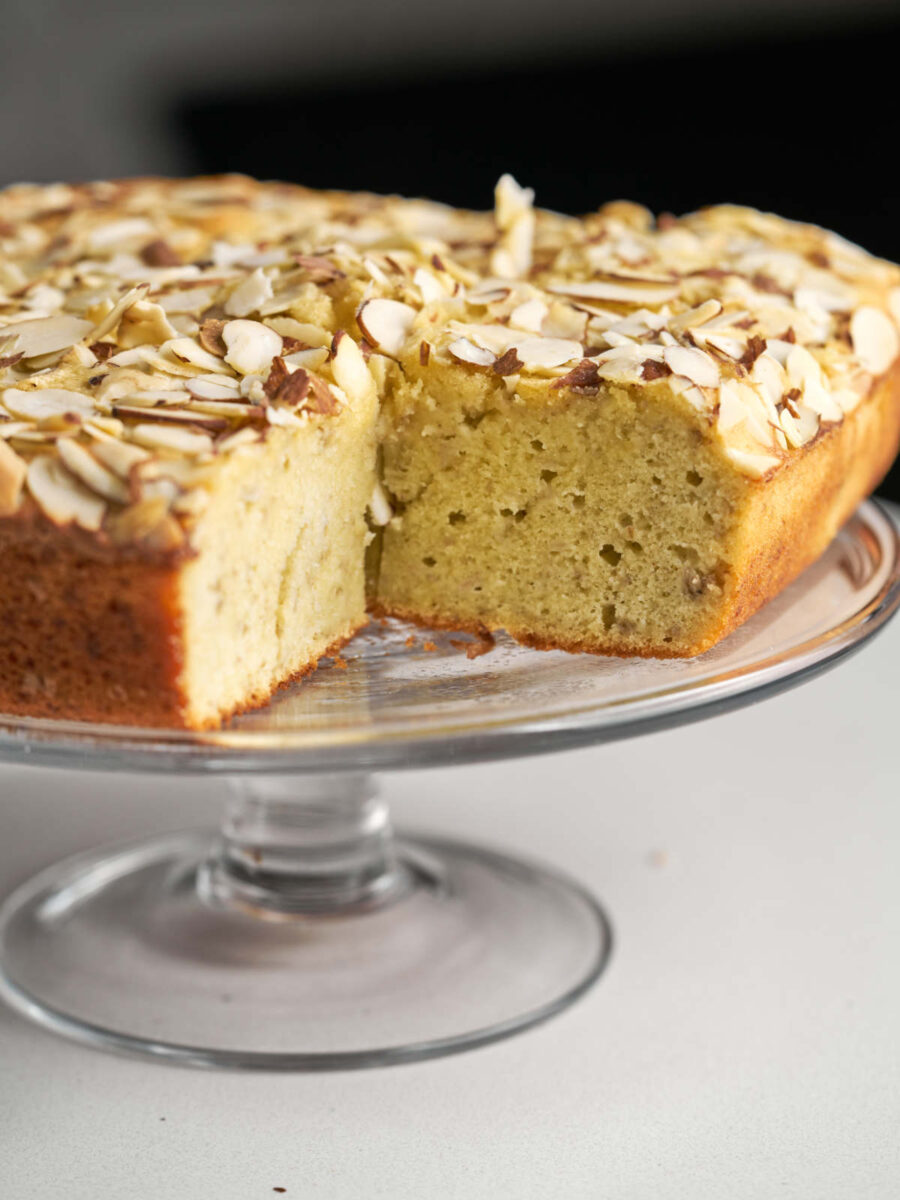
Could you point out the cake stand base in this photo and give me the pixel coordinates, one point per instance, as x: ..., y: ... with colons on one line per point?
x: 304, y: 937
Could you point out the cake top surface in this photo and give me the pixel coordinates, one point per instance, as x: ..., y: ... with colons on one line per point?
x: 150, y: 327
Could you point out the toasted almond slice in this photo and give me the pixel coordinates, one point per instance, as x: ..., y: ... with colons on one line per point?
x: 386, y: 324
x: 144, y: 323
x: 170, y: 437
x: 530, y: 315
x: 379, y: 506
x: 312, y: 335
x: 110, y: 233
x: 207, y: 389
x: 548, y: 352
x: 115, y: 314
x: 93, y: 474
x: 246, y: 436
x: 800, y: 425
x: 511, y: 200
x: 754, y: 465
x: 804, y: 372
x: 156, y: 397
x: 149, y: 523
x: 61, y: 497
x: 249, y: 295
x: 13, y: 470
x: 234, y: 410
x: 692, y: 364
x: 432, y: 289
x: 188, y: 351
x: 186, y: 300
x: 465, y: 351
x: 44, y: 335
x: 12, y: 429
x: 875, y: 339
x: 174, y: 416
x: 487, y: 293
x: 617, y: 292
x: 310, y: 360
x: 350, y: 370
x: 43, y: 403
x: 695, y: 316
x: 251, y: 346
x: 120, y: 457
x: 731, y: 347
x: 103, y: 428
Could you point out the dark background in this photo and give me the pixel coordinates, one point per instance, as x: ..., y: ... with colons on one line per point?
x: 677, y: 105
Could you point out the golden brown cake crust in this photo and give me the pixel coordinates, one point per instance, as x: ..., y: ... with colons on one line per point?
x: 86, y: 639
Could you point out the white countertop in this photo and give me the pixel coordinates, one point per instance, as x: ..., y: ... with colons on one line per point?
x: 744, y: 1043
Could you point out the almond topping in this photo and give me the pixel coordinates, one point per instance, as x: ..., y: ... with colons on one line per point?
x: 349, y: 368
x: 210, y: 336
x: 875, y: 339
x: 465, y: 351
x: 61, y: 497
x: 85, y: 467
x: 12, y: 479
x: 386, y: 324
x: 171, y: 437
x: 251, y: 346
x: 508, y: 363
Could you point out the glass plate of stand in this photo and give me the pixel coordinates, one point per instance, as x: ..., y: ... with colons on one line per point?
x: 304, y: 935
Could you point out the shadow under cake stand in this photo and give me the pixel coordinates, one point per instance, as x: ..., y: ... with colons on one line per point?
x: 304, y: 935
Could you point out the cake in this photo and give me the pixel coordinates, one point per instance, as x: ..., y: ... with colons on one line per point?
x: 237, y: 417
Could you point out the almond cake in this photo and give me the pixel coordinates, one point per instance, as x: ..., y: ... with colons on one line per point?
x: 235, y: 417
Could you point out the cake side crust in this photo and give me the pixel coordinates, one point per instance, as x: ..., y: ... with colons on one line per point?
x: 87, y: 638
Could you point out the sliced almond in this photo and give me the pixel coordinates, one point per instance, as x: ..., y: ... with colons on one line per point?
x: 251, y: 346
x: 875, y: 339
x: 616, y: 291
x: 45, y: 403
x: 754, y: 465
x: 249, y: 295
x: 465, y: 351
x: 431, y: 288
x: 44, y: 335
x: 93, y: 474
x: 241, y: 437
x: 174, y: 416
x: 379, y: 506
x: 61, y: 497
x: 234, y: 410
x: 695, y: 316
x: 548, y: 352
x: 693, y: 364
x: 171, y: 437
x: 350, y: 370
x: 529, y: 316
x: 120, y: 457
x: 208, y: 389
x: 109, y: 322
x: 188, y: 351
x: 144, y: 322
x: 386, y: 324
x: 13, y: 470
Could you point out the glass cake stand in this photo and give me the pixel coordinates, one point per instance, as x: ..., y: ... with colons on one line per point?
x: 304, y: 935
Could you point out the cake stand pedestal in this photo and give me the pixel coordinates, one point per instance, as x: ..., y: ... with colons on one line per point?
x: 304, y: 935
